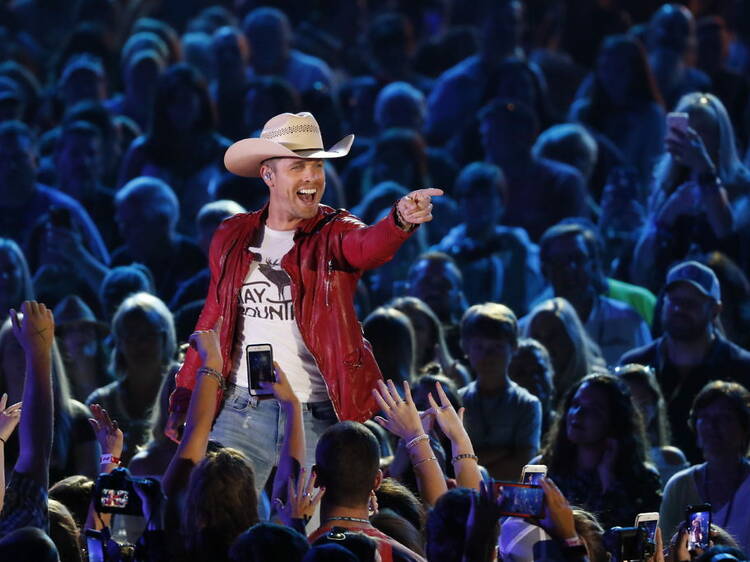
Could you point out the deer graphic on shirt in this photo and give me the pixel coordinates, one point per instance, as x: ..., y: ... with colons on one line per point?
x: 272, y: 271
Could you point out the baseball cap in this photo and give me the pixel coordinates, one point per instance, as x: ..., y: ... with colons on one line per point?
x: 698, y: 275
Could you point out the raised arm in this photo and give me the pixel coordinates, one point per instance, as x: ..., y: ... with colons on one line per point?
x: 402, y: 419
x: 372, y: 246
x: 110, y: 439
x: 465, y: 462
x: 200, y: 415
x: 36, y: 333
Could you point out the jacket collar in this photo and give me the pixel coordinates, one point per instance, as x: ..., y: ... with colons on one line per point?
x: 305, y: 227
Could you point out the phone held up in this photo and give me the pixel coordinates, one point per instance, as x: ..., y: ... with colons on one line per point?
x: 698, y: 521
x: 259, y: 367
x: 520, y: 500
x: 533, y: 474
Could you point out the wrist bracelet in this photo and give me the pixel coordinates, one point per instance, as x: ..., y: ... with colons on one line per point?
x: 463, y: 456
x: 416, y: 464
x: 401, y: 222
x: 417, y: 439
x: 213, y: 373
x: 109, y: 459
x: 573, y: 542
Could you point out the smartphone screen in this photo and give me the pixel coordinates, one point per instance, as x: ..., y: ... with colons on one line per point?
x: 95, y: 547
x: 259, y: 366
x: 533, y: 474
x: 650, y: 527
x: 520, y: 500
x: 114, y: 499
x: 698, y: 526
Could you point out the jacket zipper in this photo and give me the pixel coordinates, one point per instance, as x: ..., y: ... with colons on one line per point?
x: 328, y: 282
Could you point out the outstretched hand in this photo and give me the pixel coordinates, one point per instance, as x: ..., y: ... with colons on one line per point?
x: 558, y: 516
x: 35, y: 331
x: 207, y: 344
x: 450, y: 421
x: 401, y: 415
x: 416, y: 207
x: 300, y: 500
x: 108, y: 434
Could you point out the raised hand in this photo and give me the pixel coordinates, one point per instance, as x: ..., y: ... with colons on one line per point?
x: 108, y: 434
x: 402, y: 417
x: 206, y: 343
x: 282, y: 389
x: 300, y: 500
x: 688, y: 149
x: 416, y: 207
x: 9, y: 417
x: 35, y: 331
x: 558, y: 516
x: 450, y: 421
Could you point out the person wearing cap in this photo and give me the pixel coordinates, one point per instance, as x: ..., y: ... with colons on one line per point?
x: 286, y: 275
x: 692, y: 351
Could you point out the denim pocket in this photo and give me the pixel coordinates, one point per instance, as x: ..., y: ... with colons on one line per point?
x: 239, y: 400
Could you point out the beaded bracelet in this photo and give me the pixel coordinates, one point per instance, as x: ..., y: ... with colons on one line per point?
x: 213, y: 373
x: 416, y: 464
x: 417, y: 439
x: 463, y: 456
x: 109, y: 459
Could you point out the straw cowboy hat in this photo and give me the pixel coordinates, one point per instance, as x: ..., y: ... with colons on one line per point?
x: 287, y: 135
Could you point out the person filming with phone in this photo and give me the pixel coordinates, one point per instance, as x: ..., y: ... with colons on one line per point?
x: 283, y: 280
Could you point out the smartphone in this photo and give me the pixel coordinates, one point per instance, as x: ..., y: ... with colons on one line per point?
x: 648, y: 521
x: 520, y: 500
x: 95, y: 545
x: 533, y: 473
x: 698, y: 519
x: 677, y: 120
x: 259, y: 367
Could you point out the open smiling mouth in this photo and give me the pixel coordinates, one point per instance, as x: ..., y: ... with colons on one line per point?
x: 307, y: 195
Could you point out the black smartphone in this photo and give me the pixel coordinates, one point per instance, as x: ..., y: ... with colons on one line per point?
x: 698, y: 519
x: 520, y: 500
x: 259, y: 367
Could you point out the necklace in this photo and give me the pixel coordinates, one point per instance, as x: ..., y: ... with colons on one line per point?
x: 344, y: 518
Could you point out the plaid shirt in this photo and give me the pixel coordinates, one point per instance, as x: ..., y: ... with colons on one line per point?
x: 25, y: 505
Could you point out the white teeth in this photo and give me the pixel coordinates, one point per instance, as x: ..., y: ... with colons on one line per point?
x: 306, y: 192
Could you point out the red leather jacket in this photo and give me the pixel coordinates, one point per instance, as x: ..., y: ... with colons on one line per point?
x: 330, y: 252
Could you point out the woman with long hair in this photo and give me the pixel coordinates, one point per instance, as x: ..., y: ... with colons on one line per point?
x: 430, y: 339
x: 693, y: 184
x: 555, y: 324
x: 144, y: 351
x: 596, y: 452
x: 623, y: 102
x: 720, y: 418
x: 182, y: 146
x: 650, y: 403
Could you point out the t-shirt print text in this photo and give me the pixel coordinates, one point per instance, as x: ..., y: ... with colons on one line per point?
x: 268, y: 298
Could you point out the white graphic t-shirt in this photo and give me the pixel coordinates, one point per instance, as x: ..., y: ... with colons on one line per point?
x: 266, y: 315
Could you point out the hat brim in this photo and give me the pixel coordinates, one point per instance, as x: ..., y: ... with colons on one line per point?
x: 693, y: 284
x: 244, y: 157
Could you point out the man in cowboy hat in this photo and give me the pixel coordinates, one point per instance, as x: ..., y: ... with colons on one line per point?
x: 286, y: 275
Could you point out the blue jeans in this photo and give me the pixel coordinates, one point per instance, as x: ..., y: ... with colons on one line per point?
x: 256, y: 427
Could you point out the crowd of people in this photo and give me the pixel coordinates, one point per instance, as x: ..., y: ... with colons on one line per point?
x: 558, y: 274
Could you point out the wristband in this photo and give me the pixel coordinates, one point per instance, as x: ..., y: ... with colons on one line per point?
x: 213, y: 373
x: 463, y: 456
x: 573, y: 542
x: 417, y: 439
x: 109, y: 459
x: 416, y: 464
x: 401, y: 222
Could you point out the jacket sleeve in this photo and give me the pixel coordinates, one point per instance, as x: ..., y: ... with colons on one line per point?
x: 367, y: 247
x: 185, y: 377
